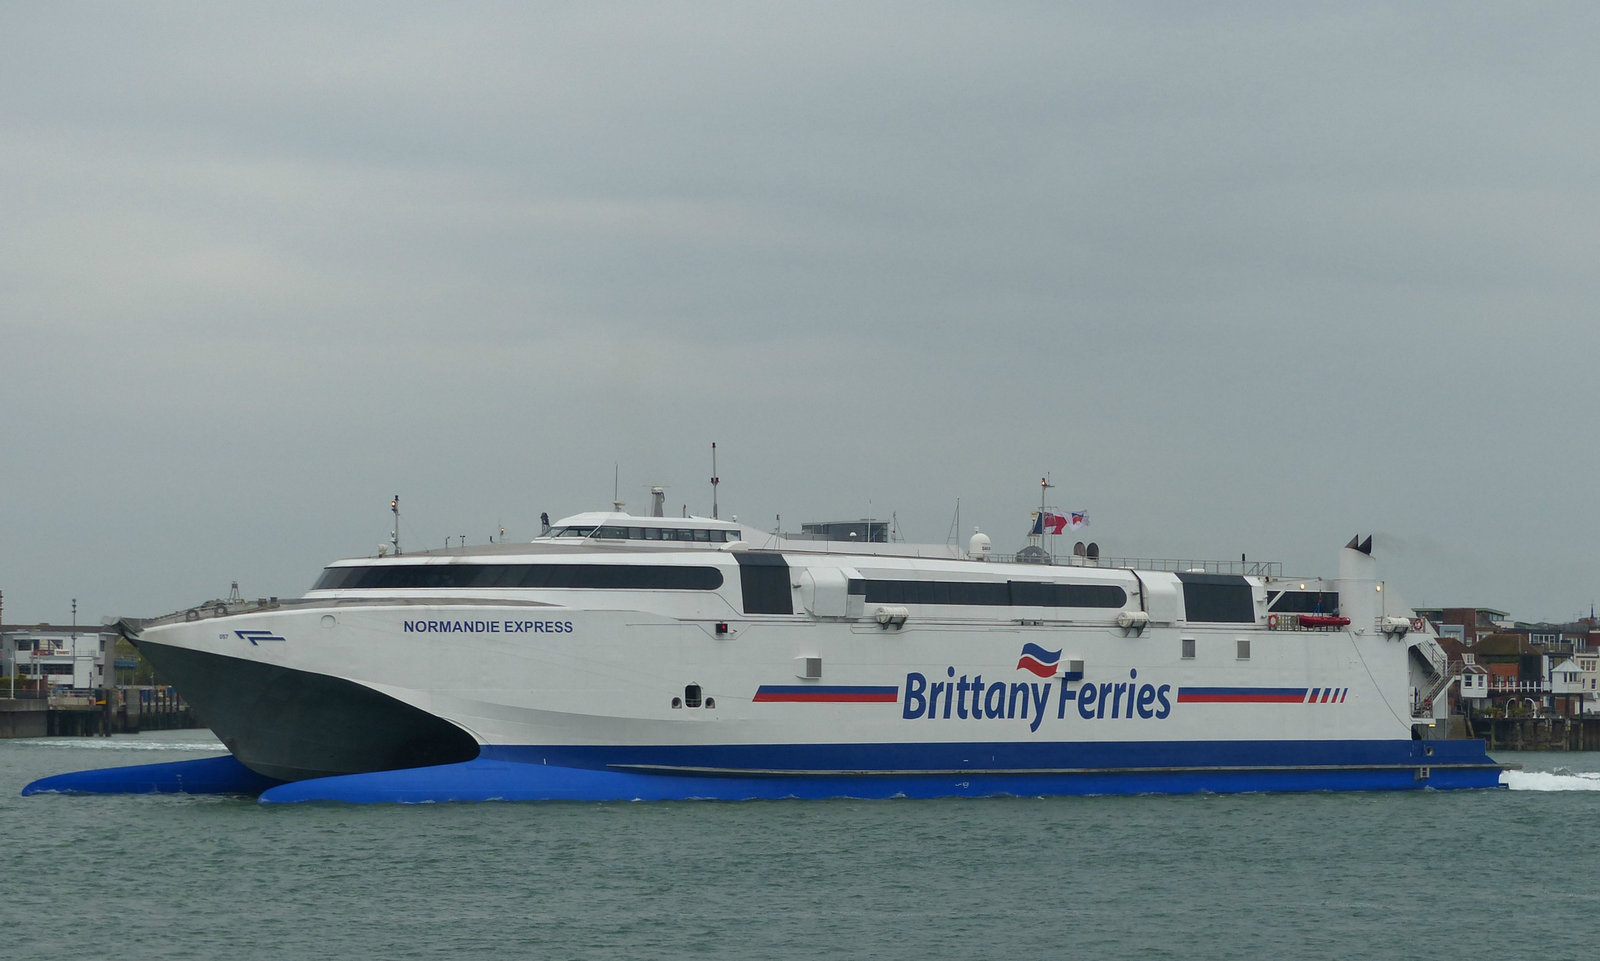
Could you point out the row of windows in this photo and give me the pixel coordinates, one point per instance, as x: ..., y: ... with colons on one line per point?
x: 617, y: 532
x: 994, y: 594
x: 552, y: 576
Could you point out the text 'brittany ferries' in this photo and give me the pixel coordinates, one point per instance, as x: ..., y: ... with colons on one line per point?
x: 976, y: 699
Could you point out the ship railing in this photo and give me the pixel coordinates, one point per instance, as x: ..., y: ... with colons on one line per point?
x: 1176, y: 565
x: 1439, y: 660
x: 1440, y: 685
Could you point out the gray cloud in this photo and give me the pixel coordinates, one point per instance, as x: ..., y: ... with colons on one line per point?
x: 1242, y: 278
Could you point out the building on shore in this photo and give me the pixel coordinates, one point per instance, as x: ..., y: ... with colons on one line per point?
x: 1514, y: 669
x: 71, y: 656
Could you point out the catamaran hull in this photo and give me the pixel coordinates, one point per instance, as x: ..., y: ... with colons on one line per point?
x: 621, y: 673
x: 335, y: 739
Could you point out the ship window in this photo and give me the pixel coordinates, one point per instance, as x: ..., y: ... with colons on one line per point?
x: 990, y: 594
x: 691, y: 695
x: 548, y: 576
x: 1188, y: 648
x: 1243, y: 649
x: 1303, y: 602
x: 764, y: 583
x: 1217, y: 597
x: 611, y: 532
x: 652, y: 533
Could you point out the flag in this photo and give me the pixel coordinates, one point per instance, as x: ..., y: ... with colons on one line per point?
x: 1045, y: 522
x: 1039, y: 661
x: 1049, y: 522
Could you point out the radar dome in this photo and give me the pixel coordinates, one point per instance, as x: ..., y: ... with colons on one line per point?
x: 978, y: 548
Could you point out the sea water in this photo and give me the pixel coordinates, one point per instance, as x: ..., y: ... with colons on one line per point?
x: 1411, y: 875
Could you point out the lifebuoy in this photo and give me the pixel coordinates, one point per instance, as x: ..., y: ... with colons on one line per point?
x: 1272, y: 621
x: 1427, y: 704
x: 1416, y: 624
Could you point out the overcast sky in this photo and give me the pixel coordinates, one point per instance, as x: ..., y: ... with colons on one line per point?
x: 1241, y: 277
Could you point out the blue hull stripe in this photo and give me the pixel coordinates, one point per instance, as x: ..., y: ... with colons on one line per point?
x: 737, y: 772
x: 997, y: 756
x: 487, y: 779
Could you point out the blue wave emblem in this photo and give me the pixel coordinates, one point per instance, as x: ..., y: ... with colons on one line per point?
x: 255, y: 637
x: 1039, y: 661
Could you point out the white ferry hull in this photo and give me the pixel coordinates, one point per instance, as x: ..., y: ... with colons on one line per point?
x: 597, y: 673
x: 587, y: 711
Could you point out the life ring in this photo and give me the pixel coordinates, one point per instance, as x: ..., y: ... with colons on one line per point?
x: 1272, y: 621
x: 1417, y: 624
x: 1427, y: 704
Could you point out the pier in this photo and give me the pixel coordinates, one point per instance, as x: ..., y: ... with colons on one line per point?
x: 126, y: 710
x: 1538, y: 733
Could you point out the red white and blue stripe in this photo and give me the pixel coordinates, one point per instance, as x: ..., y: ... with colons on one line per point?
x: 1039, y: 661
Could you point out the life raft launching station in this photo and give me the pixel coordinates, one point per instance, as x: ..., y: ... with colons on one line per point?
x: 624, y: 657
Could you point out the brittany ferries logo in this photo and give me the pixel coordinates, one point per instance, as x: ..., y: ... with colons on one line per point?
x: 974, y: 698
x: 1038, y: 660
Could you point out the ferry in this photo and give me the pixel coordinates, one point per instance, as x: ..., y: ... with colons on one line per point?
x: 627, y: 657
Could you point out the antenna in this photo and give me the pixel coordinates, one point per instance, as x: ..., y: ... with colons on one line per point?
x: 394, y: 535
x: 616, y: 497
x: 714, y: 480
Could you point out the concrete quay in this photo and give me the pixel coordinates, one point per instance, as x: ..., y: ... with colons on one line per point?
x: 120, y: 711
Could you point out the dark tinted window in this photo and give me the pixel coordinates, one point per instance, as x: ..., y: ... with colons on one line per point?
x: 764, y: 582
x: 601, y: 576
x: 1217, y: 598
x: 982, y: 593
x: 1304, y: 602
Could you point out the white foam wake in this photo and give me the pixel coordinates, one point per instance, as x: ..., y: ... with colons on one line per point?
x: 123, y: 743
x: 1562, y: 780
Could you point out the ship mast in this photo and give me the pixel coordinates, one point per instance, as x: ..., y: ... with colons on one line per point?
x: 1036, y: 539
x: 714, y: 480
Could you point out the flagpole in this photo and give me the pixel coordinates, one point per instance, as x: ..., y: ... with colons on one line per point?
x: 1044, y: 485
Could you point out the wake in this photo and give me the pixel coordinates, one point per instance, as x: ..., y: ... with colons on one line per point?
x: 1559, y: 780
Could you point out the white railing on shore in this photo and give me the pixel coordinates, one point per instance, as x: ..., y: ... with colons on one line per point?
x: 1507, y: 685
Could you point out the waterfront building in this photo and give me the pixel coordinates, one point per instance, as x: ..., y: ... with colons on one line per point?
x: 81, y: 658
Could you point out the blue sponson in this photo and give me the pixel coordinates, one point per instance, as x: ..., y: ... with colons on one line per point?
x: 207, y: 775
